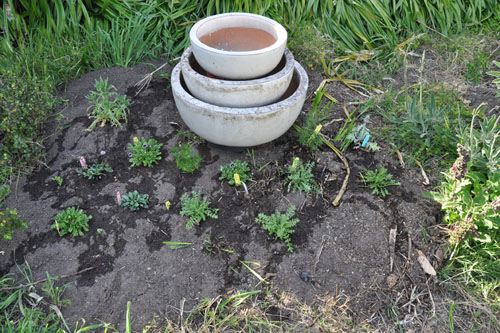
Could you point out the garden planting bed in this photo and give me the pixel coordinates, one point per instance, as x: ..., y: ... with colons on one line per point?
x: 338, y: 250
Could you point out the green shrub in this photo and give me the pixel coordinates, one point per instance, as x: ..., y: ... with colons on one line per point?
x: 425, y: 126
x: 470, y: 198
x: 144, y: 152
x: 378, y: 181
x: 107, y: 105
x: 4, y: 193
x: 10, y: 222
x: 71, y: 220
x: 134, y: 200
x: 280, y: 225
x: 235, y: 167
x: 195, y: 209
x: 25, y: 105
x: 185, y: 158
x: 299, y: 176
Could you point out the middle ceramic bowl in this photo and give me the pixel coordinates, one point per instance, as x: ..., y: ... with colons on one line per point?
x: 239, y: 94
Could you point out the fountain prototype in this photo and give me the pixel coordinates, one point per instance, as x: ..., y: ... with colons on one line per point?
x: 238, y: 85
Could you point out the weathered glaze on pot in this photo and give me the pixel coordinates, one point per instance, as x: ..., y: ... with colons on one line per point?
x: 240, y: 127
x: 242, y: 94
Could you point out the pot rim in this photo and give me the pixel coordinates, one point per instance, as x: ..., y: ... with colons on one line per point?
x: 303, y: 83
x: 187, y: 68
x: 280, y: 31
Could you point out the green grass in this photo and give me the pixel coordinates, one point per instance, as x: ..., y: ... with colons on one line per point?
x: 25, y: 307
x: 423, y: 124
x: 48, y: 43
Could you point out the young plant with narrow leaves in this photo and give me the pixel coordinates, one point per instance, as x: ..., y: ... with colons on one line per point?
x: 378, y: 181
x: 309, y: 136
x: 196, y: 209
x: 299, y: 176
x: 280, y: 225
x: 107, y: 105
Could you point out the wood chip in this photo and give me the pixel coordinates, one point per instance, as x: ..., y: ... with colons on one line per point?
x: 426, y: 265
x: 391, y: 281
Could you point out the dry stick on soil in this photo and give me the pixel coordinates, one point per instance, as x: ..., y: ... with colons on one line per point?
x: 45, y: 280
x: 426, y: 179
x: 392, y: 245
x: 318, y: 253
x: 348, y: 170
x: 147, y: 79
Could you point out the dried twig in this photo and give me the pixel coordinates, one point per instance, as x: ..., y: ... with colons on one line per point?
x: 318, y: 253
x: 346, y: 164
x: 144, y: 83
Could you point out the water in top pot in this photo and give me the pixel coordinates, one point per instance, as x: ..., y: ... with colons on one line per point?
x: 238, y: 39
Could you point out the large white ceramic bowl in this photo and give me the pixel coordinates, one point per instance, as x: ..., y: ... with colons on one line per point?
x: 240, y: 127
x: 240, y: 93
x: 238, y: 65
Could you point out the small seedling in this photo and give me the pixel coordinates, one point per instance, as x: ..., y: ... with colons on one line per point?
x: 107, y: 105
x: 309, y: 133
x: 96, y: 170
x: 215, y: 246
x: 71, y: 220
x: 299, y: 176
x: 145, y: 153
x: 196, y: 210
x: 378, y: 181
x: 134, y: 200
x: 185, y: 158
x: 177, y: 245
x: 100, y: 231
x: 58, y: 180
x: 235, y: 167
x: 10, y: 222
x: 280, y: 225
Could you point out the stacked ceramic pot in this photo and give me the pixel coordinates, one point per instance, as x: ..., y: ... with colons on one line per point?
x: 238, y: 85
